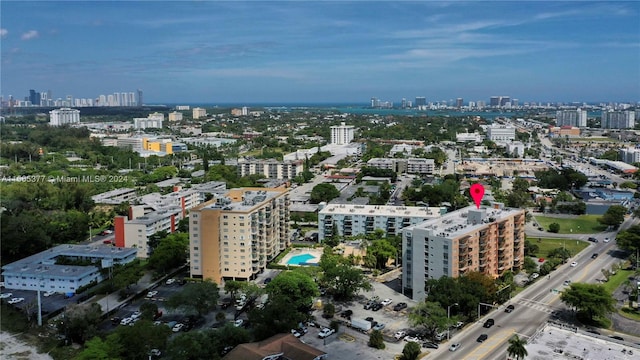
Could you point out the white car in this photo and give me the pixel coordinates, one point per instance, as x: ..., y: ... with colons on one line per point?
x: 386, y: 302
x: 574, y: 264
x: 454, y: 347
x: 411, y: 338
x: 126, y: 321
x: 534, y: 276
x: 178, y: 327
x: 49, y: 293
x: 151, y: 294
x: 136, y: 314
x: 399, y: 335
x: 606, y: 240
x: 238, y: 323
x: 16, y: 300
x: 6, y: 295
x: 170, y: 281
x: 325, y: 333
x: 295, y: 333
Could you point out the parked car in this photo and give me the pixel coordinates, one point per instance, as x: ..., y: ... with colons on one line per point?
x: 489, y: 323
x: 430, y: 345
x: 106, y: 242
x: 16, y: 300
x: 115, y: 320
x: 151, y: 294
x: 107, y: 232
x: 296, y: 333
x: 534, y: 276
x: 238, y: 322
x: 454, y: 347
x: 126, y: 321
x: 400, y: 306
x: 170, y: 281
x: 177, y: 327
x: 376, y: 306
x: 482, y: 338
x: 386, y: 302
x: 325, y: 333
x: 411, y: 338
x: 378, y: 327
x: 566, y: 283
x: 155, y: 352
x: 136, y: 314
x: 266, y: 281
x: 509, y: 308
x: 6, y: 295
x: 399, y: 334
x: 369, y: 305
x: 346, y: 314
x: 459, y: 324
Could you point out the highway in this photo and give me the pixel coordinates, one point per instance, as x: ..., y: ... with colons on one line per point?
x: 533, y: 306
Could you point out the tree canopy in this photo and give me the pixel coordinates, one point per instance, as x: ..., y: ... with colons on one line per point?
x: 614, y: 216
x: 342, y: 279
x: 629, y: 239
x: 591, y: 299
x: 431, y: 316
x: 323, y: 192
x: 199, y: 298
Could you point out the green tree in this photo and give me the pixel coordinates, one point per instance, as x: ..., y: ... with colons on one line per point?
x: 517, y: 347
x: 560, y: 253
x: 232, y: 287
x: 329, y: 310
x: 592, y: 300
x: 297, y: 288
x: 81, y: 322
x: 172, y: 252
x: 192, y: 345
x: 199, y: 298
x: 278, y: 316
x: 138, y: 340
x: 614, y: 216
x: 344, y: 280
x: 148, y: 310
x: 629, y: 239
x: 411, y: 351
x: 376, y: 340
x: 323, y: 192
x: 530, y: 265
x: 382, y: 250
x: 554, y: 228
x: 431, y: 316
x: 97, y: 349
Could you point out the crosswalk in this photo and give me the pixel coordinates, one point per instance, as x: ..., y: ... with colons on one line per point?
x: 536, y: 305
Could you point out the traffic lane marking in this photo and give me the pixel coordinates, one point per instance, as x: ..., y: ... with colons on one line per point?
x: 490, y: 344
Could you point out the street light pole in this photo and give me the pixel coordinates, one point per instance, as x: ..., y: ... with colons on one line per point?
x: 448, y: 318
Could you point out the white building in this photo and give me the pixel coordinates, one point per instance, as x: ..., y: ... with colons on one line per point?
x: 576, y: 118
x: 382, y: 163
x: 419, y: 165
x: 152, y: 121
x: 271, y: 168
x: 516, y: 148
x: 630, y: 155
x: 501, y: 133
x: 469, y: 137
x: 64, y: 116
x: 115, y: 197
x: 42, y: 271
x: 183, y: 107
x: 342, y: 134
x: 199, y: 113
x: 352, y: 220
x: 618, y: 119
x: 137, y: 230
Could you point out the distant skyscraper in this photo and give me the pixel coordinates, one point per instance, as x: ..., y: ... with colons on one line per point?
x: 64, y: 116
x: 34, y: 97
x: 421, y: 101
x: 618, y: 119
x: 140, y: 102
x: 459, y: 103
x: 494, y: 101
x: 576, y: 118
x: 132, y: 99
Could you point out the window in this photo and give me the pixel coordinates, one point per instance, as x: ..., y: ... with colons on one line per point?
x: 196, y: 248
x: 241, y: 224
x: 226, y: 269
x: 225, y: 223
x: 195, y: 222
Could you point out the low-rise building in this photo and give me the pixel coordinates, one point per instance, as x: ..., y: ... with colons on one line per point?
x: 489, y: 240
x: 175, y: 116
x: 49, y: 270
x: 270, y: 168
x: 501, y: 133
x: 115, y: 197
x: 280, y: 346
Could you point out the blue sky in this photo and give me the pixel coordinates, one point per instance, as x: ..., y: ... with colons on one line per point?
x: 321, y: 51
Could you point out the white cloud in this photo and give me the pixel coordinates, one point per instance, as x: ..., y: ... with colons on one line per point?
x: 3, y: 32
x: 31, y: 34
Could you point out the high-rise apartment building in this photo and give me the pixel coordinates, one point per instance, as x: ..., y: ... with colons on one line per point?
x: 618, y: 119
x: 140, y: 101
x: 234, y: 237
x: 353, y: 220
x: 576, y: 118
x: 175, y: 116
x: 64, y: 116
x: 342, y: 134
x: 199, y: 113
x: 489, y: 240
x: 270, y: 168
x: 501, y: 133
x: 459, y: 103
x: 421, y: 101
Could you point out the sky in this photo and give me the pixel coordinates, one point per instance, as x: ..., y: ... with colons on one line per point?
x: 323, y: 51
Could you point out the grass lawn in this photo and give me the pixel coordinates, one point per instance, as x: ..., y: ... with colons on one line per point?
x: 630, y: 313
x: 582, y: 224
x: 616, y: 280
x: 546, y: 245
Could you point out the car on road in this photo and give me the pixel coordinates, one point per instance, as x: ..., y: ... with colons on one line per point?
x: 535, y: 276
x: 606, y: 240
x: 266, y: 281
x: 151, y: 294
x: 574, y: 264
x: 489, y: 323
x: 482, y: 338
x: 430, y: 345
x: 592, y: 239
x: 177, y: 327
x: 399, y: 334
x: 49, y: 293
x: 6, y: 295
x: 325, y: 333
x: 16, y: 300
x: 386, y: 302
x: 595, y: 255
x: 566, y: 283
x: 378, y: 327
x: 509, y: 308
x: 540, y: 260
x: 107, y: 232
x: 170, y: 281
x: 616, y: 337
x: 454, y: 347
x: 346, y: 314
x: 400, y: 306
x: 238, y: 323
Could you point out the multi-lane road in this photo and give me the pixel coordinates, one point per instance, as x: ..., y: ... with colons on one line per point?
x: 533, y: 306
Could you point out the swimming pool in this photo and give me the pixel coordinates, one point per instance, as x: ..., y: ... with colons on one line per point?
x: 301, y: 259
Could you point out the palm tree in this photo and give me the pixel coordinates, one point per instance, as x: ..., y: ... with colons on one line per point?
x: 517, y: 347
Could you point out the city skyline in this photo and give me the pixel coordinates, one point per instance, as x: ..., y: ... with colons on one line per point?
x: 231, y: 52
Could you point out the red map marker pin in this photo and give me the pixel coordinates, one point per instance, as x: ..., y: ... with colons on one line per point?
x: 477, y: 192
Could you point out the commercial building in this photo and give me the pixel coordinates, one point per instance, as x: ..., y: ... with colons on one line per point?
x: 64, y: 116
x: 234, y: 237
x: 489, y: 240
x: 501, y: 133
x: 577, y: 118
x: 469, y: 137
x: 270, y: 168
x: 342, y: 134
x: 618, y: 119
x: 199, y: 113
x: 564, y: 131
x: 46, y: 271
x: 353, y: 220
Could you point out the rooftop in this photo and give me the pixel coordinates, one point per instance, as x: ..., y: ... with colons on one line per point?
x: 383, y: 210
x: 250, y: 199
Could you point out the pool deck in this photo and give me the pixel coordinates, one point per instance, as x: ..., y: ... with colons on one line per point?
x: 316, y: 253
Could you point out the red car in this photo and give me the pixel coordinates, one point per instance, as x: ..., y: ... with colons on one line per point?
x: 541, y: 260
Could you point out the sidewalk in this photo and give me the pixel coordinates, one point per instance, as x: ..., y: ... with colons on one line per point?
x: 112, y: 301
